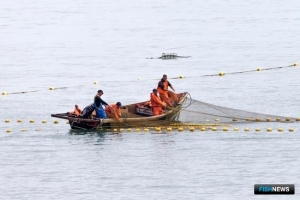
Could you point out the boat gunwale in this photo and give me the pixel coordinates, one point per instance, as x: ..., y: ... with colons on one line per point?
x: 128, y: 119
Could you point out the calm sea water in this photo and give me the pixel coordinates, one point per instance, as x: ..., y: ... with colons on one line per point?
x: 73, y: 43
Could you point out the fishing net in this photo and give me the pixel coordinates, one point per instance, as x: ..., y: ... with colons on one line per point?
x: 198, y: 113
x: 194, y: 111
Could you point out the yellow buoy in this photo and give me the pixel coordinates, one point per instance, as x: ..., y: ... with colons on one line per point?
x: 95, y: 82
x: 259, y: 69
x: 217, y: 119
x: 8, y: 130
x: 288, y: 119
x: 297, y: 119
x: 214, y: 129
x: 225, y: 129
x: 19, y: 120
x: 236, y: 129
x: 157, y: 129
x: 246, y: 129
x: 146, y: 129
x: 115, y: 130
x: 181, y: 76
x: 56, y: 122
x: 31, y: 121
x: 291, y: 130
x: 234, y: 120
x: 192, y: 129
x: 278, y: 119
x: 51, y: 88
x: 257, y: 119
x: 4, y: 93
x: 38, y: 129
x: 280, y: 129
x: 169, y: 129
x: 257, y: 129
x: 221, y: 73
x: 121, y: 129
x: 23, y: 130
x: 203, y: 129
x: 129, y: 129
x: 248, y: 119
x: 7, y: 120
x: 44, y: 121
x: 180, y: 129
x: 295, y: 64
x: 269, y: 129
x: 268, y: 119
x: 137, y: 129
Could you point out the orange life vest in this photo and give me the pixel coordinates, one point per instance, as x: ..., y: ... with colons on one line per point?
x: 156, y: 101
x: 77, y: 112
x: 165, y: 89
x: 113, y: 110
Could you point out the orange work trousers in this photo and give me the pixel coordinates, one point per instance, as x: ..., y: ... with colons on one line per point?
x: 169, y: 97
x: 157, y: 110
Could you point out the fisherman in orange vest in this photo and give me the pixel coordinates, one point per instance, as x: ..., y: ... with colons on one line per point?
x: 77, y: 111
x: 156, y: 102
x: 114, y: 111
x: 164, y: 93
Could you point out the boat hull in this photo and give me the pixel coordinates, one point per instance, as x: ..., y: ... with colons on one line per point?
x: 130, y: 117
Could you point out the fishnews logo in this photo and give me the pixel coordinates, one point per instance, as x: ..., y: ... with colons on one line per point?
x: 274, y: 189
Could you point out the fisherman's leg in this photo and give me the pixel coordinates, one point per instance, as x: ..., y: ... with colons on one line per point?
x: 157, y: 110
x: 165, y: 98
x: 86, y: 113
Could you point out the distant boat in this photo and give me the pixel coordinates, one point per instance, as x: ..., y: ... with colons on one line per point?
x: 133, y: 115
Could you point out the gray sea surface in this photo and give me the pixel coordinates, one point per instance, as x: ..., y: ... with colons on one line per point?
x: 74, y: 43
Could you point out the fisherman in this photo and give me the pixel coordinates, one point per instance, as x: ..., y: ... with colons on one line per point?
x: 77, y: 111
x: 87, y: 111
x: 156, y: 102
x: 114, y: 111
x: 165, y: 94
x: 98, y: 101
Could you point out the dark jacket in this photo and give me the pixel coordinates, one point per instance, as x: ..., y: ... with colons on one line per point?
x: 161, y: 84
x: 98, y: 101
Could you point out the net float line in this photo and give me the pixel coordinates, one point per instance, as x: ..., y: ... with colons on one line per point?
x: 259, y: 69
x: 170, y: 129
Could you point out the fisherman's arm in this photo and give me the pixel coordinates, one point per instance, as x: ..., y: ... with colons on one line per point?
x: 170, y: 85
x: 103, y: 102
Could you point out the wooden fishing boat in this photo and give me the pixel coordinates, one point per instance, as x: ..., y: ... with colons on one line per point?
x: 132, y: 115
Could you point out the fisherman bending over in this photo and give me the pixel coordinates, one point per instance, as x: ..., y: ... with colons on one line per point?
x: 114, y: 111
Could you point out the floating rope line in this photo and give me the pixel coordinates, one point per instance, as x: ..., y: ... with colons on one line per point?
x: 240, y: 72
x: 50, y: 88
x: 179, y: 77
x: 169, y: 129
x: 258, y: 69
